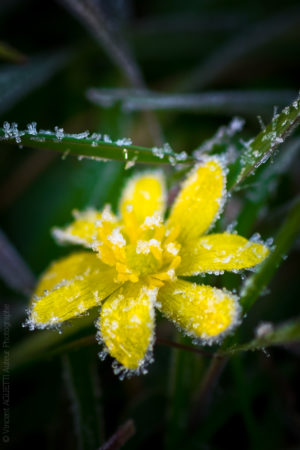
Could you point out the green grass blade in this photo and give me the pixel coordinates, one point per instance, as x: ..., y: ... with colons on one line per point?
x: 81, y: 383
x: 264, y: 184
x: 212, y: 102
x: 283, y: 334
x: 260, y: 149
x: 234, y: 51
x: 92, y: 146
x: 239, y: 376
x: 39, y: 344
x: 184, y: 375
x: 256, y: 283
x: 17, y: 81
x: 14, y: 271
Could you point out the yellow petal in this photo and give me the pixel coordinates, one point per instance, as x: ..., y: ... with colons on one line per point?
x: 202, y: 311
x: 84, y: 229
x: 70, y: 287
x: 217, y: 252
x: 143, y: 195
x: 126, y: 324
x: 199, y: 201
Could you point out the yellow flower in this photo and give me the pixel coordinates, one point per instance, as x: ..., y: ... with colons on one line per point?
x: 134, y: 261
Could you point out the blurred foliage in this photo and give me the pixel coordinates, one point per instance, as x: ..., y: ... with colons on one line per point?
x: 156, y: 72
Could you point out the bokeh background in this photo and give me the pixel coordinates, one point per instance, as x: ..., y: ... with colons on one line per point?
x: 82, y: 65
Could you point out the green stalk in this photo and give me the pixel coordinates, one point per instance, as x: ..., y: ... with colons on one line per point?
x: 92, y: 146
x: 284, y: 334
x: 82, y: 386
x: 261, y: 148
x: 283, y: 241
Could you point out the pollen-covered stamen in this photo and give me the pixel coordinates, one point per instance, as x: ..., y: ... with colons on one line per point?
x: 152, y: 253
x: 152, y: 222
x: 170, y: 259
x: 111, y: 244
x: 152, y: 246
x: 116, y: 238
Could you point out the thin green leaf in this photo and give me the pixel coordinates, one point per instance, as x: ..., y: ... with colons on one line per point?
x: 17, y: 82
x: 256, y: 283
x: 120, y: 437
x: 260, y: 149
x: 38, y: 345
x: 98, y: 23
x: 214, y: 102
x: 239, y: 375
x: 13, y: 269
x: 232, y: 52
x: 187, y: 22
x: 184, y: 370
x: 93, y: 146
x: 84, y: 392
x: 285, y: 333
x: 264, y: 184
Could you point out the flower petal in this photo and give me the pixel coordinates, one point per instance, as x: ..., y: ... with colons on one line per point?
x: 143, y: 195
x: 84, y: 229
x: 70, y: 287
x: 126, y: 323
x: 202, y: 311
x: 199, y: 201
x: 217, y: 252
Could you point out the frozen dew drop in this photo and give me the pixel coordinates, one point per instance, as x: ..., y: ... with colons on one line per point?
x: 59, y: 133
x: 123, y: 141
x: 231, y: 227
x: 235, y: 126
x: 31, y: 128
x: 107, y: 139
x: 255, y: 238
x: 172, y: 160
x: 83, y: 135
x: 102, y: 355
x: 167, y: 149
x: 261, y: 123
x: 158, y: 152
x: 6, y: 129
x: 269, y: 242
x: 182, y: 156
x: 267, y: 354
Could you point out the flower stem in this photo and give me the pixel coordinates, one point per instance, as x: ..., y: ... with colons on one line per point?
x: 204, y: 396
x: 186, y: 347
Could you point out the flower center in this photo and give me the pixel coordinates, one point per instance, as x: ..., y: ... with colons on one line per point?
x: 148, y: 250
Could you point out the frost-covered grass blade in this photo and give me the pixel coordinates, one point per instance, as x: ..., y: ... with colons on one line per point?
x: 267, y: 336
x: 17, y: 81
x: 35, y: 348
x: 260, y: 149
x: 211, y: 102
x: 255, y: 284
x: 94, y: 146
x: 264, y: 184
x: 84, y: 394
